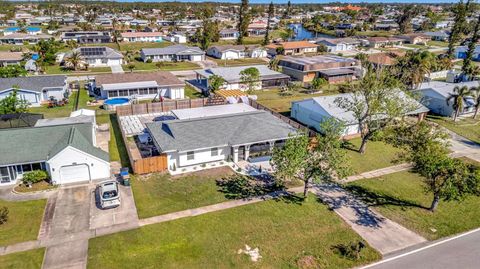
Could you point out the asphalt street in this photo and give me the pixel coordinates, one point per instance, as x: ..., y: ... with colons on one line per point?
x: 461, y: 253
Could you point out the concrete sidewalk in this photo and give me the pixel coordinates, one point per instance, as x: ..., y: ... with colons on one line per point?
x: 381, y: 233
x: 378, y: 172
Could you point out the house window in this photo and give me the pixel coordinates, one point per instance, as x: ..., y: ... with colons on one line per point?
x: 190, y: 155
x: 143, y: 91
x: 152, y: 90
x: 113, y: 94
x: 123, y: 92
x: 4, y: 175
x: 214, y: 152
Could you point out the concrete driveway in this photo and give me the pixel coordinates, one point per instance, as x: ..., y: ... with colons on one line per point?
x: 125, y: 213
x: 70, y: 215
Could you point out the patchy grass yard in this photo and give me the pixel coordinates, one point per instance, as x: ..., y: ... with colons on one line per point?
x: 239, y: 62
x: 23, y: 223
x: 135, y: 46
x: 166, y: 66
x: 159, y: 194
x: 401, y: 198
x: 288, y: 235
x: 56, y: 112
x: 39, y: 186
x: 191, y: 93
x: 467, y: 127
x: 58, y: 70
x: 437, y: 43
x: 282, y: 104
x: 378, y: 155
x: 31, y: 259
x: 116, y: 147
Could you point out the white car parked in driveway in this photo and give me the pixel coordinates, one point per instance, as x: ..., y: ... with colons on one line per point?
x: 109, y: 194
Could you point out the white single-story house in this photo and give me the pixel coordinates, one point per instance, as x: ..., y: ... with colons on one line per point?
x: 213, y: 136
x: 438, y: 35
x: 178, y: 38
x: 36, y: 89
x: 99, y: 56
x: 236, y: 52
x: 435, y: 94
x: 229, y: 34
x: 173, y: 53
x: 67, y: 152
x: 142, y: 36
x: 232, y: 77
x: 10, y: 58
x: 22, y: 38
x: 311, y: 112
x: 335, y: 45
x: 145, y: 85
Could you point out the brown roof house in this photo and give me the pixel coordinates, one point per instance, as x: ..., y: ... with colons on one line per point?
x: 380, y: 41
x: 385, y: 58
x: 149, y: 85
x: 334, y: 69
x: 415, y: 38
x: 292, y: 48
x: 10, y: 58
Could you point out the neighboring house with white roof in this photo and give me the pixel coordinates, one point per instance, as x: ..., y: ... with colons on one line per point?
x: 99, y: 56
x: 435, y: 94
x: 236, y: 52
x: 36, y: 89
x: 232, y: 77
x: 313, y: 111
x: 22, y: 38
x: 335, y: 45
x: 173, y: 53
x: 213, y: 137
x: 142, y: 37
x: 65, y: 149
x: 147, y: 85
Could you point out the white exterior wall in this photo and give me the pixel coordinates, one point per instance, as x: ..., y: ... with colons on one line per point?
x: 232, y: 55
x: 201, y: 156
x: 34, y: 98
x: 176, y: 93
x: 259, y: 54
x: 100, y: 63
x: 144, y: 39
x: 99, y: 169
x: 196, y: 58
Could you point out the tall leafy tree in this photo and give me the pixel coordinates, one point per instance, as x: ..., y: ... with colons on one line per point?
x: 271, y: 13
x: 243, y: 21
x: 468, y: 66
x: 375, y: 103
x: 74, y: 60
x: 11, y: 71
x: 459, y: 23
x: 405, y: 18
x: 476, y: 97
x: 412, y: 68
x: 457, y: 99
x: 250, y: 77
x: 445, y: 178
x: 215, y: 82
x: 312, y: 161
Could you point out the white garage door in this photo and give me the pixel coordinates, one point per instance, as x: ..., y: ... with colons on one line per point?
x: 74, y: 173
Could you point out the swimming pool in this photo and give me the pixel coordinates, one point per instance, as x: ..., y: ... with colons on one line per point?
x: 110, y: 104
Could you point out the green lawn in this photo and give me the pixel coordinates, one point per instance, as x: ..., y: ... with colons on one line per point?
x: 31, y: 259
x: 191, y: 93
x: 282, y: 104
x: 167, y: 66
x: 401, y: 198
x: 415, y: 46
x: 56, y: 69
x: 285, y: 233
x: 116, y: 147
x: 238, y: 62
x: 159, y: 194
x: 468, y: 127
x: 56, y: 112
x: 378, y: 155
x: 23, y: 223
x: 135, y: 46
x: 437, y: 43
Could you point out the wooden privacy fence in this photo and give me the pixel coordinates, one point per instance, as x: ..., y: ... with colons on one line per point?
x: 141, y: 165
x: 150, y: 165
x: 165, y: 106
x: 287, y: 120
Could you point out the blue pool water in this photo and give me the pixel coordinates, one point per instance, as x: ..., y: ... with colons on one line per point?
x: 116, y: 101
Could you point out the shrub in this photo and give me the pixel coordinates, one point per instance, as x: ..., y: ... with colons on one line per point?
x: 3, y: 215
x: 350, y: 251
x: 149, y: 60
x: 35, y: 176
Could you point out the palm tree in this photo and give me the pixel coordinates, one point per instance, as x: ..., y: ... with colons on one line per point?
x: 458, y: 97
x: 476, y: 98
x: 74, y: 60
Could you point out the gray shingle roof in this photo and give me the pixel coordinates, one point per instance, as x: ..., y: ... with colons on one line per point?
x: 232, y: 74
x: 175, y: 49
x: 41, y: 143
x: 36, y: 83
x: 234, y: 129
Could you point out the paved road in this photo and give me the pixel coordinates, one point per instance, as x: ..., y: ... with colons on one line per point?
x: 463, y: 252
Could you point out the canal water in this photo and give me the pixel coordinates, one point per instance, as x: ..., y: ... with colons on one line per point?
x: 302, y: 33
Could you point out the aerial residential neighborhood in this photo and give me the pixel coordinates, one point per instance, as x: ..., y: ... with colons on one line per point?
x: 239, y: 134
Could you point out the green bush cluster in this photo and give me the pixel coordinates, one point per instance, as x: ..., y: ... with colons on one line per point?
x: 35, y: 176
